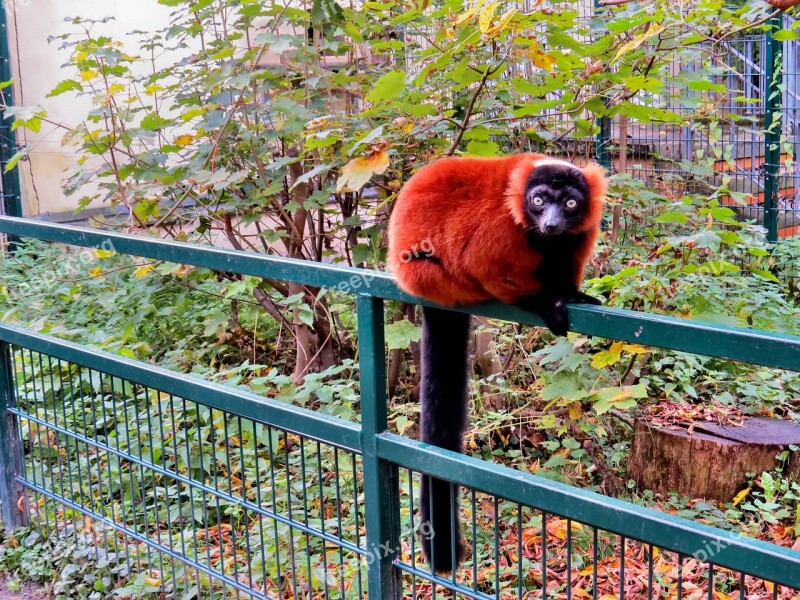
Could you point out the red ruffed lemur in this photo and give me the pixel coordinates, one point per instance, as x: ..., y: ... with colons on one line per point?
x: 519, y: 229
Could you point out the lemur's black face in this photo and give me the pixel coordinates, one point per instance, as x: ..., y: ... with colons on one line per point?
x: 556, y: 199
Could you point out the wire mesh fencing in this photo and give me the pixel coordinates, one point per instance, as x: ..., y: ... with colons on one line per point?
x: 188, y: 500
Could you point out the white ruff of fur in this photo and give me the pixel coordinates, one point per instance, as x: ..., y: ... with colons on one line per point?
x: 554, y: 161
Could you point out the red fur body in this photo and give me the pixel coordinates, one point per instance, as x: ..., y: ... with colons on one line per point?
x: 465, y: 216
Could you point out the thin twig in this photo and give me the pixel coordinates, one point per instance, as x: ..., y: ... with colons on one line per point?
x: 622, y: 417
x: 462, y: 128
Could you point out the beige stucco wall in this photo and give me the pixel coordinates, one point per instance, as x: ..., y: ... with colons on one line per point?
x: 36, y: 65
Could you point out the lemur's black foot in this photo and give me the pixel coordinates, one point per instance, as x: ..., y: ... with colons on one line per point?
x: 553, y: 309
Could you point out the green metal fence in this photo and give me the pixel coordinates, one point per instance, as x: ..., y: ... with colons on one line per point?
x: 10, y: 195
x: 757, y: 140
x: 192, y: 488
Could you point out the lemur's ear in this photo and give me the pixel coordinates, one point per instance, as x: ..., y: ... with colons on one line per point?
x: 515, y: 188
x: 598, y: 186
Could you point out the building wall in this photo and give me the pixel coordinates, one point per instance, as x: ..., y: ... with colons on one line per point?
x: 36, y: 65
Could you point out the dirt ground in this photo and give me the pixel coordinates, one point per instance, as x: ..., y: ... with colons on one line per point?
x: 29, y: 591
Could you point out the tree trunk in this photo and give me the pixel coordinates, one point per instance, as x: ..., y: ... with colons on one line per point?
x: 711, y: 462
x: 486, y: 359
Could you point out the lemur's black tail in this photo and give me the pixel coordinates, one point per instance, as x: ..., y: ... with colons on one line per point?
x: 443, y: 410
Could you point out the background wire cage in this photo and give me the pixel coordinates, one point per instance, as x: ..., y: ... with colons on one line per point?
x: 749, y: 124
x: 190, y: 488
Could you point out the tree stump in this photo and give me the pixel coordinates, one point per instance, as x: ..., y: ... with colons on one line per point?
x: 712, y: 461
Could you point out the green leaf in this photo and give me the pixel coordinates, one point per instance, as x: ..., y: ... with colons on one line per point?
x: 310, y: 174
x: 401, y: 333
x: 764, y: 273
x: 153, y: 121
x: 306, y: 315
x: 402, y: 423
x: 353, y: 32
x: 67, y: 85
x: 278, y: 43
x: 481, y: 148
x: 387, y: 87
x: 563, y: 385
x: 672, y: 217
x: 618, y: 397
x: 325, y: 11
x: 784, y: 35
x: 15, y: 158
x: 555, y: 461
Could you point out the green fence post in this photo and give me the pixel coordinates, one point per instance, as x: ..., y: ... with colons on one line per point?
x: 381, y: 481
x: 11, y: 490
x: 12, y: 199
x: 772, y: 126
x: 603, y: 142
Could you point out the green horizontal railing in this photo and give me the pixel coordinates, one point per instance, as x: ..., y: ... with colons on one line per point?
x: 243, y: 403
x: 385, y: 454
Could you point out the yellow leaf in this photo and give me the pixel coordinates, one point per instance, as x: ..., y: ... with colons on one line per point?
x: 635, y: 348
x: 558, y: 528
x: 152, y: 581
x: 96, y: 272
x: 88, y: 74
x: 143, y: 270
x: 485, y: 20
x: 580, y: 592
x: 503, y: 23
x: 359, y: 170
x: 622, y: 394
x: 606, y: 358
x: 103, y: 253
x: 153, y: 88
x: 116, y: 87
x: 467, y: 15
x: 740, y: 496
x: 575, y: 411
x: 184, y: 140
x: 631, y: 45
x: 722, y: 595
x: 542, y: 59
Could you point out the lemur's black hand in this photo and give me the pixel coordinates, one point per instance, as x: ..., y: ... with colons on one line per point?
x: 581, y: 298
x: 552, y: 310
